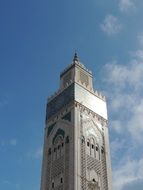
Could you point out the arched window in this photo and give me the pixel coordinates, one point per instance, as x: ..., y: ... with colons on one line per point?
x: 88, y: 143
x: 62, y: 148
x: 53, y: 185
x: 58, y: 147
x: 55, y: 153
x: 49, y: 151
x: 88, y: 147
x: 97, y: 152
x: 58, y: 151
x: 102, y: 150
x: 92, y: 147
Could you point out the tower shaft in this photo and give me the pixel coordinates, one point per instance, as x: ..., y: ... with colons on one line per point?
x: 76, y: 153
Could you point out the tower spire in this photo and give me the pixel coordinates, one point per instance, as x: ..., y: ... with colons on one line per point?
x: 76, y: 58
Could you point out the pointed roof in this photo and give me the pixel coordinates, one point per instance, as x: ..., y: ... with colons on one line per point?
x: 76, y: 61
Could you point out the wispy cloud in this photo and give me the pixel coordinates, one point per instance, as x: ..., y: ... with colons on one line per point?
x: 38, y: 152
x: 116, y: 146
x: 129, y: 172
x: 35, y: 154
x: 10, y: 184
x: 125, y: 96
x: 134, y: 184
x: 126, y: 5
x: 13, y: 142
x: 111, y: 25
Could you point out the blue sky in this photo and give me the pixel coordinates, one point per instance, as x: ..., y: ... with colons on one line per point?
x: 37, y: 41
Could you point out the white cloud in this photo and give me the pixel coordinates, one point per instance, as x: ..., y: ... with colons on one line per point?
x: 135, y: 126
x: 138, y: 54
x: 111, y: 25
x: 126, y: 96
x: 135, y: 184
x: 130, y: 74
x: 128, y: 173
x: 117, y: 126
x: 126, y: 5
x: 124, y: 83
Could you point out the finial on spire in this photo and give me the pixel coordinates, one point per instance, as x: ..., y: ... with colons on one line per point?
x: 76, y: 58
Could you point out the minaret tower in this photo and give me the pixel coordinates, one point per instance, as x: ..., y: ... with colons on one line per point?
x: 76, y: 154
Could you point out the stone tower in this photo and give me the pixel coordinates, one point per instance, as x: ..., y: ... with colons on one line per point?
x: 76, y: 153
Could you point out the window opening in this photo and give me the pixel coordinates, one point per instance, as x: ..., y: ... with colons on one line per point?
x: 102, y: 150
x: 82, y: 140
x: 93, y: 180
x: 67, y: 139
x: 49, y: 151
